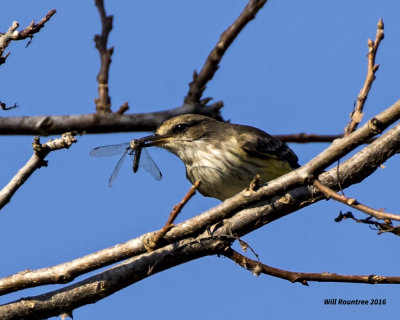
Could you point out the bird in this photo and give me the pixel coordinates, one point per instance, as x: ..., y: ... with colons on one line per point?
x: 225, y: 157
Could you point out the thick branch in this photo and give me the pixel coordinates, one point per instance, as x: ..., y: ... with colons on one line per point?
x: 106, y: 283
x: 199, y: 82
x: 99, y: 123
x: 35, y: 162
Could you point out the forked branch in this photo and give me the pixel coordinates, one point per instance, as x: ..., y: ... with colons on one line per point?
x: 35, y: 162
x: 373, y: 46
x: 13, y: 34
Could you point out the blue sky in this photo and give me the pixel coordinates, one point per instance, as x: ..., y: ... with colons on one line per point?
x: 297, y: 68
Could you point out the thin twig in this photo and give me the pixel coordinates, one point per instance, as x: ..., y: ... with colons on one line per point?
x: 383, y: 227
x: 373, y: 46
x: 12, y: 34
x: 311, y: 137
x: 200, y: 80
x: 258, y: 268
x: 103, y: 102
x: 35, y: 162
x: 123, y: 108
x: 153, y: 240
x: 4, y: 107
x: 378, y: 214
x: 303, y: 137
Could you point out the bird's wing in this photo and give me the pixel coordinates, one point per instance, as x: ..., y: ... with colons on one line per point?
x: 260, y: 144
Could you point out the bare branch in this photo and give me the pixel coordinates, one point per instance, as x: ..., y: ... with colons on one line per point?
x: 103, y: 102
x: 303, y: 137
x: 199, y: 82
x: 5, y: 40
x: 311, y: 137
x: 28, y: 32
x: 357, y: 113
x: 35, y: 162
x: 258, y: 268
x: 383, y: 227
x: 98, y: 123
x: 378, y: 214
x: 4, y: 107
x: 153, y: 240
x: 110, y: 281
x: 123, y: 108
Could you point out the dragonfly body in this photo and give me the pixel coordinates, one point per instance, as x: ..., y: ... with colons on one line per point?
x: 132, y: 149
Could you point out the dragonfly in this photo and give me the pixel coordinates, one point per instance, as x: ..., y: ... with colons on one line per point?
x: 133, y: 149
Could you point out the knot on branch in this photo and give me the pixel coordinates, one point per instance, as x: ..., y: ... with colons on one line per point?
x: 376, y: 126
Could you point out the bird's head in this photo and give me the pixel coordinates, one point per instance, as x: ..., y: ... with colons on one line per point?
x: 178, y: 132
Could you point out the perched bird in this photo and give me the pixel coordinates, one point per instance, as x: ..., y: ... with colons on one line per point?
x: 225, y: 157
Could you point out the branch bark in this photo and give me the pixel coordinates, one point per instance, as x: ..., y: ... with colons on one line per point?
x: 99, y: 123
x: 106, y: 283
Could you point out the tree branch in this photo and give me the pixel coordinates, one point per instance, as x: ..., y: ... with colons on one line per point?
x: 257, y: 268
x: 356, y: 117
x: 382, y: 227
x: 373, y: 46
x: 12, y: 34
x: 378, y: 214
x: 4, y: 107
x: 106, y: 283
x: 199, y: 82
x: 99, y: 123
x: 35, y: 162
x: 153, y: 240
x: 103, y: 102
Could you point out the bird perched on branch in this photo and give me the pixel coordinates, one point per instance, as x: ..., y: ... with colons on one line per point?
x: 225, y: 157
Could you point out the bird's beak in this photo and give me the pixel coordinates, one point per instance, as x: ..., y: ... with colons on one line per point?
x: 153, y: 140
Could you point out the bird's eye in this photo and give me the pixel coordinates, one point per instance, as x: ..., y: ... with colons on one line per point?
x: 181, y: 127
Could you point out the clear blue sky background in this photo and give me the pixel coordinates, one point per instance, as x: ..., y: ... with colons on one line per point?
x: 297, y: 68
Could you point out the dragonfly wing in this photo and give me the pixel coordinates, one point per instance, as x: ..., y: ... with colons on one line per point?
x: 110, y: 150
x: 150, y: 166
x: 114, y: 174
